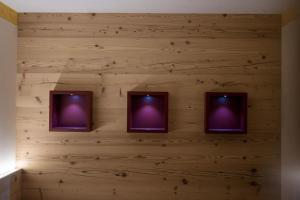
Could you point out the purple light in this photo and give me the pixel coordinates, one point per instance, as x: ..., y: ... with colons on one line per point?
x: 73, y: 114
x: 225, y: 113
x: 148, y: 112
x: 71, y: 111
x: 148, y: 116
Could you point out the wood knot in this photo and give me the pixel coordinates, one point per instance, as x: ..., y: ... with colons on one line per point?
x: 121, y: 174
x: 253, y: 183
x: 140, y: 157
x: 72, y: 163
x: 184, y: 181
x: 38, y: 99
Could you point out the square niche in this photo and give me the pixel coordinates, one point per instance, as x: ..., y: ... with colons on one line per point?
x: 225, y: 112
x: 147, y: 112
x: 70, y: 111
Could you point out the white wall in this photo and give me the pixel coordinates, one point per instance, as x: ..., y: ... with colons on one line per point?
x: 8, y: 57
x: 148, y: 6
x: 291, y: 108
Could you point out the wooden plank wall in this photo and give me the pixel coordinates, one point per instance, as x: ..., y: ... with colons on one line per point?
x: 185, y: 55
x: 10, y: 186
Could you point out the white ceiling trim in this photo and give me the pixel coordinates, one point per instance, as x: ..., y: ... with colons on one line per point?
x: 148, y: 6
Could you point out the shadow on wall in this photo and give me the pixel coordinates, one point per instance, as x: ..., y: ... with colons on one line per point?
x: 110, y: 98
x: 83, y: 82
x: 10, y: 186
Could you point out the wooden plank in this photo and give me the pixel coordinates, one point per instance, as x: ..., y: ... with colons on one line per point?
x: 148, y: 56
x: 149, y: 25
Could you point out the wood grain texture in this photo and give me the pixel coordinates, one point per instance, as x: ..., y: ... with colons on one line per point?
x: 185, y: 55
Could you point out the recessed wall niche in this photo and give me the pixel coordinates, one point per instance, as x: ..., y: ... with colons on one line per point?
x: 225, y: 112
x: 70, y: 111
x: 147, y: 112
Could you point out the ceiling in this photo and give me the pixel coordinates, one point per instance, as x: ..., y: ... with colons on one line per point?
x: 147, y: 6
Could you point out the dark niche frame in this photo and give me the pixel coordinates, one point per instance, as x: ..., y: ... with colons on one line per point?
x: 144, y: 122
x: 234, y: 117
x: 61, y: 116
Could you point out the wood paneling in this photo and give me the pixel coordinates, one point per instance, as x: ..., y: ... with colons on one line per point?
x: 185, y: 55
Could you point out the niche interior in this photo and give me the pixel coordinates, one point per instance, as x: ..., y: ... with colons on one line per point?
x: 225, y: 112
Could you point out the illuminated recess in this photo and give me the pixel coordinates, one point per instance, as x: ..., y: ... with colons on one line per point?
x: 225, y: 112
x: 147, y: 112
x: 70, y: 111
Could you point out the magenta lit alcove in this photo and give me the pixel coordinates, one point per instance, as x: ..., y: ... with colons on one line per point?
x: 70, y: 111
x: 226, y: 112
x: 147, y: 112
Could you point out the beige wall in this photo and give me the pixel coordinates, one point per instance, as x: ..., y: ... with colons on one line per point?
x: 8, y: 55
x: 290, y: 104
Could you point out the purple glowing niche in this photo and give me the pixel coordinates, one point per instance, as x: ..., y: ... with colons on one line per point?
x: 226, y: 112
x: 70, y: 111
x: 147, y: 112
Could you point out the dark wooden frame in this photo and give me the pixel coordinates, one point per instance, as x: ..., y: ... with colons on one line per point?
x: 244, y: 97
x: 130, y: 94
x: 89, y: 108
